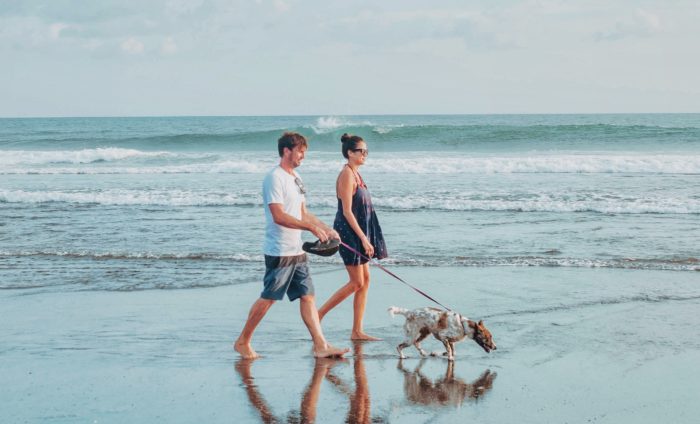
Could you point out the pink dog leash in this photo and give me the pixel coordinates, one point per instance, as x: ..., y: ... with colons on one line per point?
x: 376, y: 263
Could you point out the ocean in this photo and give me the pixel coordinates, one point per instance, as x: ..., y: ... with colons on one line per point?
x: 123, y: 204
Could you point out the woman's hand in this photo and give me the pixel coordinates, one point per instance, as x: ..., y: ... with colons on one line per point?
x: 367, y: 246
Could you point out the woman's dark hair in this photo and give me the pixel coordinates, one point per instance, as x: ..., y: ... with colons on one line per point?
x: 350, y: 142
x: 290, y: 140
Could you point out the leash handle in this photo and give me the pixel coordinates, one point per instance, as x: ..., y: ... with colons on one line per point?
x: 376, y: 263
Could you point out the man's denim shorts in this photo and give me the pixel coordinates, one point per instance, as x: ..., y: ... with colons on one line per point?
x: 287, y: 274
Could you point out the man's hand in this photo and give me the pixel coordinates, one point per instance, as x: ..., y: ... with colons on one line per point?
x: 321, y: 233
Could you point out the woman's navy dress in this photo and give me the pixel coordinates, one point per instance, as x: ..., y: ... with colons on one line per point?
x: 364, y: 213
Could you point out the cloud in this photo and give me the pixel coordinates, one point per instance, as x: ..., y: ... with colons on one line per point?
x: 55, y: 30
x: 132, y: 46
x: 652, y: 21
x: 169, y: 46
x: 282, y: 6
x: 641, y: 24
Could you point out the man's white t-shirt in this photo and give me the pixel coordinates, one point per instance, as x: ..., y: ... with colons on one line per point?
x: 279, y: 187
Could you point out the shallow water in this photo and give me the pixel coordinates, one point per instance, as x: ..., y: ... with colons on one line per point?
x: 169, y: 203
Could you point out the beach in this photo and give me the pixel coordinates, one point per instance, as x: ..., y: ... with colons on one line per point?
x: 131, y: 252
x: 592, y: 345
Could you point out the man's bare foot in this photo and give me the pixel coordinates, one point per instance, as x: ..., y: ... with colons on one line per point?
x: 245, y: 350
x: 364, y: 337
x: 330, y: 352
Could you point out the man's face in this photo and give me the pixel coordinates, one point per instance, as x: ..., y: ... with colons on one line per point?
x: 296, y: 155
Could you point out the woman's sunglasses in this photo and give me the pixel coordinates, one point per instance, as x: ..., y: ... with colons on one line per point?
x: 364, y: 152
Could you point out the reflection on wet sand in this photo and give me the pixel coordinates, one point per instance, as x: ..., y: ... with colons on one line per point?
x: 307, y: 411
x: 446, y: 391
x: 359, y: 411
x: 360, y: 403
x: 243, y: 369
x: 418, y: 389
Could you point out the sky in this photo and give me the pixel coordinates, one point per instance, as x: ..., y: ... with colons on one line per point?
x: 293, y: 57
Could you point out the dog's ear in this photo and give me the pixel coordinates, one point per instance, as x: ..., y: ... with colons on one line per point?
x: 472, y: 324
x: 481, y: 323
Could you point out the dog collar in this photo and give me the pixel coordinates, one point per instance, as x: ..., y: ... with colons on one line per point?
x: 464, y: 327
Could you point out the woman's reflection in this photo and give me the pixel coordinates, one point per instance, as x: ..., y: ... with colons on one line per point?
x: 448, y: 390
x: 360, y: 411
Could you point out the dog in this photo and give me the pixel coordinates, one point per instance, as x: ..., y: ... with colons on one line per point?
x: 446, y: 326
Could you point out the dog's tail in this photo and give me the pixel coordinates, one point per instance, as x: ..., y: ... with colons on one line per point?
x: 393, y: 310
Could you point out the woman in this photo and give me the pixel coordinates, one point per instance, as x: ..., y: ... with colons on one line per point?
x: 358, y: 227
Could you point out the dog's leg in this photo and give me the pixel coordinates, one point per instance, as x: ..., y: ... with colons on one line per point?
x: 452, y: 349
x: 436, y: 352
x: 448, y: 350
x: 401, y: 347
x: 423, y: 334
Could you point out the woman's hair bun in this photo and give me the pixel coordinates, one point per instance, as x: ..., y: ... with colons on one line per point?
x: 345, y: 138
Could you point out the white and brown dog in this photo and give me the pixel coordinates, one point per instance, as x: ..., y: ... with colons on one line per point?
x: 447, y: 326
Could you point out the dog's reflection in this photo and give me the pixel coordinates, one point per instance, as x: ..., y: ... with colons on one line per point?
x: 359, y: 398
x: 448, y: 390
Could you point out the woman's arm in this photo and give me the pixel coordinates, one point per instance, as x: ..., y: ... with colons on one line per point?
x: 344, y: 190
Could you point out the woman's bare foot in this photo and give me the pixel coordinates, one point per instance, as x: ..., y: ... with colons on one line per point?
x: 245, y: 350
x: 330, y: 352
x: 364, y: 337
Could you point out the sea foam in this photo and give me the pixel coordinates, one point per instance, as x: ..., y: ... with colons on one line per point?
x: 109, y: 161
x: 447, y: 201
x: 85, y: 156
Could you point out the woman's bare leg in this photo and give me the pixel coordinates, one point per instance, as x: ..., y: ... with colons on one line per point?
x: 356, y: 280
x: 359, y: 303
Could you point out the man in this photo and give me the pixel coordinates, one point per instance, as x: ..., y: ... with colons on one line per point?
x: 286, y: 270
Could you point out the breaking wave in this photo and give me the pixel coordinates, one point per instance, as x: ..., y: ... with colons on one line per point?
x: 596, y: 202
x: 84, y: 156
x: 664, y: 264
x: 116, y: 161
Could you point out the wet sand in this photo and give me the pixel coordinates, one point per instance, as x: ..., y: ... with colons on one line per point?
x: 574, y: 345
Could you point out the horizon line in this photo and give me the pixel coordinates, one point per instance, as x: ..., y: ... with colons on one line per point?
x: 340, y: 115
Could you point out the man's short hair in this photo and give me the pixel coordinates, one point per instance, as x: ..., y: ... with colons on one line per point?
x: 290, y: 140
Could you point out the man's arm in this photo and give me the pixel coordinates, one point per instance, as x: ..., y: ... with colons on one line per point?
x: 314, y: 225
x: 313, y: 220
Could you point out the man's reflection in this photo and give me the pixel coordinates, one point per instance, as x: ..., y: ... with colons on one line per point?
x: 243, y: 369
x: 359, y: 398
x: 307, y: 412
x: 448, y: 390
